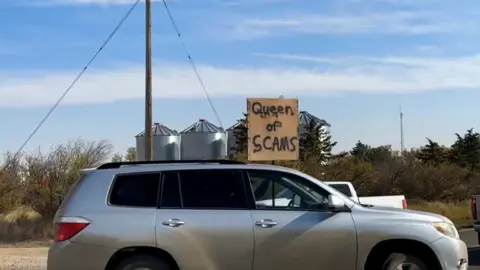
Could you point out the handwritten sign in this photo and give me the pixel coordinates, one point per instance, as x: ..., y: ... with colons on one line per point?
x: 272, y: 129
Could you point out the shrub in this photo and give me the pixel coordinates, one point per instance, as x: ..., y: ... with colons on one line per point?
x: 24, y: 224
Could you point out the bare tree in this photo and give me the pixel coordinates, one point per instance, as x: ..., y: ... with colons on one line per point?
x: 48, y: 177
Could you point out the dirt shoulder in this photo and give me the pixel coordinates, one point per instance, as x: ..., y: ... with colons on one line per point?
x: 29, y: 244
x: 20, y: 258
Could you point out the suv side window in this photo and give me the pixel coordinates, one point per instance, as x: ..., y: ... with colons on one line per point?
x: 135, y: 190
x: 171, y: 197
x: 278, y: 190
x: 213, y: 189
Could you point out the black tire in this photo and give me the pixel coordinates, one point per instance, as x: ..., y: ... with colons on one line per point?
x: 396, y: 259
x: 142, y: 261
x: 478, y: 238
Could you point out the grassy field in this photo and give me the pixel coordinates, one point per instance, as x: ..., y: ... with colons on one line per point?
x: 24, y: 224
x: 458, y: 212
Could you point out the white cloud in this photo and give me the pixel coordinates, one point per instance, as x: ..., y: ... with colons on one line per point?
x: 327, y: 17
x: 123, y: 2
x: 90, y: 2
x: 392, y: 22
x: 347, y: 74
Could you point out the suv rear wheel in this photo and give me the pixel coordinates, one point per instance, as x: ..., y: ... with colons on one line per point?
x: 142, y: 262
x: 400, y: 261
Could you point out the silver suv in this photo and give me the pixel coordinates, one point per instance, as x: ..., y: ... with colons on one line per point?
x: 226, y: 215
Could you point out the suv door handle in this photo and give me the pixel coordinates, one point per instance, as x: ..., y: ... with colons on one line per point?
x: 266, y: 223
x: 173, y: 222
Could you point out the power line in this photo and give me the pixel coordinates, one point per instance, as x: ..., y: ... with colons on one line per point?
x: 192, y: 63
x: 80, y: 74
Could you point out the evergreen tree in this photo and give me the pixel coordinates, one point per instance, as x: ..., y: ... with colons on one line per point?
x: 360, y: 150
x: 241, y: 136
x: 466, y: 150
x: 372, y: 154
x: 316, y: 143
x: 432, y: 153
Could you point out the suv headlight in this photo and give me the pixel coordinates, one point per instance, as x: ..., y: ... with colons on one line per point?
x: 447, y: 229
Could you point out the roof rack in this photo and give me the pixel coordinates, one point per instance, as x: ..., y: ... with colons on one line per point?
x: 116, y: 165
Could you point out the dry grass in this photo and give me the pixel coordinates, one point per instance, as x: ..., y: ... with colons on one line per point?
x: 458, y: 212
x: 21, y: 213
x: 22, y: 225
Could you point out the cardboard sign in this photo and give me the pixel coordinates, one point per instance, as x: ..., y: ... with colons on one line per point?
x: 272, y: 129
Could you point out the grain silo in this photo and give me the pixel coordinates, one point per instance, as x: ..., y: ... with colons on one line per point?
x: 304, y: 118
x: 231, y: 138
x: 203, y: 140
x: 165, y: 143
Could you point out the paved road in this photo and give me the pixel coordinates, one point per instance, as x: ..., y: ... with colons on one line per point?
x: 470, y: 238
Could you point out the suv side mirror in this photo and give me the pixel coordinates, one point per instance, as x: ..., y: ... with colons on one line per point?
x: 335, y: 202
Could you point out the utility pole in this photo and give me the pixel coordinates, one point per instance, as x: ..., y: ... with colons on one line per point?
x: 148, y: 80
x: 401, y: 132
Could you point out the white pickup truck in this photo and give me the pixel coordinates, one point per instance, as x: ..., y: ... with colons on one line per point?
x: 345, y: 187
x: 284, y: 197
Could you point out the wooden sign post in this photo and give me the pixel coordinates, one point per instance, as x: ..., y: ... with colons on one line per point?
x: 272, y: 129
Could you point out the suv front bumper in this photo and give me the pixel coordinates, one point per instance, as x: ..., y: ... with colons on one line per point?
x: 452, y: 253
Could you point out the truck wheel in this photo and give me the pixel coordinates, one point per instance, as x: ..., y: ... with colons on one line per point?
x: 400, y: 261
x: 143, y: 262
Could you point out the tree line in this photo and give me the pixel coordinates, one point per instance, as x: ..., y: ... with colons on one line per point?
x: 432, y: 172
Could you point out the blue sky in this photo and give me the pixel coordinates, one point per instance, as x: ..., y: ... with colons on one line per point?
x: 351, y: 62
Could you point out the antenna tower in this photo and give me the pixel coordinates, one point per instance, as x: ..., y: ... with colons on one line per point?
x: 402, y: 145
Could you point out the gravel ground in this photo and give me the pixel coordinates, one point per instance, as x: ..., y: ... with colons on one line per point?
x: 23, y: 258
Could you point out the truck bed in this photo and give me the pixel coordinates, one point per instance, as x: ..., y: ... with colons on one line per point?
x: 395, y: 201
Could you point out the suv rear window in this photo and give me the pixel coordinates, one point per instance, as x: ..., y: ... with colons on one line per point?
x: 136, y: 190
x: 212, y: 189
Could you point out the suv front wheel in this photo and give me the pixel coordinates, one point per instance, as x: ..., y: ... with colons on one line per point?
x: 142, y: 262
x: 400, y: 261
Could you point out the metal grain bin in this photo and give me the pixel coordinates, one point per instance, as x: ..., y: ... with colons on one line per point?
x: 305, y: 117
x: 203, y: 140
x: 165, y: 143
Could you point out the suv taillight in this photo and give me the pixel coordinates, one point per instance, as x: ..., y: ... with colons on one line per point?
x: 66, y: 230
x: 404, y: 204
x: 473, y: 207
